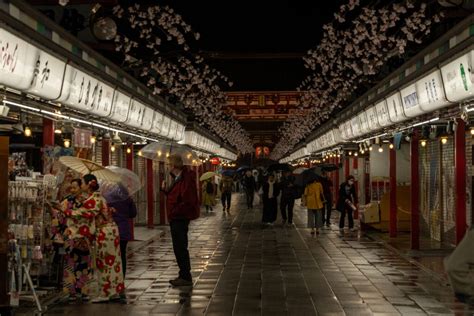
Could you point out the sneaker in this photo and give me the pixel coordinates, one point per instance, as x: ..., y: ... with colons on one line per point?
x: 180, y: 282
x: 100, y: 299
x: 85, y: 298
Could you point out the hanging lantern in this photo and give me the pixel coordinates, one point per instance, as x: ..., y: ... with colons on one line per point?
x: 215, y: 161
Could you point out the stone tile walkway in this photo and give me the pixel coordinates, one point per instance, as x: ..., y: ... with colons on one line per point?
x: 240, y: 268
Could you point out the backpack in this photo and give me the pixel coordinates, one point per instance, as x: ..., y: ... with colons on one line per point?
x: 209, y: 187
x: 227, y: 185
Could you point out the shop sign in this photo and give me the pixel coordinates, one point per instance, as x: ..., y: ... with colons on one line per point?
x: 355, y: 124
x: 157, y: 120
x: 173, y: 129
x: 349, y: 131
x: 383, y: 115
x: 47, y: 78
x: 395, y: 108
x: 180, y: 132
x: 372, y: 118
x: 411, y: 106
x: 342, y: 131
x: 364, y: 123
x: 458, y: 78
x: 135, y: 115
x: 165, y: 126
x: 430, y: 92
x: 82, y: 138
x: 17, y: 61
x: 121, y: 105
x: 147, y: 121
x: 103, y: 106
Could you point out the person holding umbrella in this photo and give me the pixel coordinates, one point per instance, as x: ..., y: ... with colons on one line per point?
x: 288, y: 194
x: 346, y: 202
x: 314, y: 199
x: 327, y: 188
x: 209, y: 190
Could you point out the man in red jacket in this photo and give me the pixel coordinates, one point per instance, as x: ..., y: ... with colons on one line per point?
x: 182, y: 206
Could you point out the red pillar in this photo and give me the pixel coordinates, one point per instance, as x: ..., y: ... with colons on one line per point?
x: 48, y: 132
x: 355, y: 166
x: 129, y: 160
x: 461, y: 174
x: 336, y: 180
x: 415, y: 192
x: 346, y: 167
x: 199, y: 172
x: 162, y: 195
x: 150, y: 193
x: 393, y: 192
x: 105, y: 152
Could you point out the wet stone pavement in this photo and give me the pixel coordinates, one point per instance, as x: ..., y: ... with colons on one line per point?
x: 241, y: 269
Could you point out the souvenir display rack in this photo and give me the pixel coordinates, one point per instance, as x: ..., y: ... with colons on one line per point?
x: 26, y: 233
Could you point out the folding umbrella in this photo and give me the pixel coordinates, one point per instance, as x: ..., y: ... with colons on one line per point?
x: 129, y: 184
x: 207, y: 175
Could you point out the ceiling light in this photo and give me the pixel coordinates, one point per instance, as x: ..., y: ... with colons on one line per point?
x: 112, y: 148
x: 472, y: 130
x: 93, y: 139
x: 58, y: 130
x: 380, y: 149
x: 370, y: 148
x: 423, y: 143
x: 390, y: 146
x: 67, y: 143
x: 444, y: 140
x: 356, y: 154
x: 27, y: 131
x: 129, y: 150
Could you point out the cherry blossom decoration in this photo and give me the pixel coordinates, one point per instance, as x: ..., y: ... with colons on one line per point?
x: 155, y: 47
x: 354, y: 48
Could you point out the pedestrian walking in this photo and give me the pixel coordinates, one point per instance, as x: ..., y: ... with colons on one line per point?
x: 124, y: 211
x: 182, y: 206
x: 249, y: 187
x: 347, y: 202
x: 226, y: 192
x: 209, y: 194
x: 288, y: 194
x: 327, y: 189
x: 459, y: 268
x: 313, y: 198
x: 270, y: 206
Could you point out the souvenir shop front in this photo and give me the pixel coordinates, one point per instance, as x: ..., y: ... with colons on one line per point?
x: 408, y: 141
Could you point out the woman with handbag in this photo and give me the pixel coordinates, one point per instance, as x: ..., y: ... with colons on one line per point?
x: 347, y: 202
x: 313, y: 199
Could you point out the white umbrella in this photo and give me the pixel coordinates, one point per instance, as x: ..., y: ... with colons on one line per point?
x: 84, y: 166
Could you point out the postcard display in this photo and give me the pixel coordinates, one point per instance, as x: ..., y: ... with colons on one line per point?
x: 29, y: 244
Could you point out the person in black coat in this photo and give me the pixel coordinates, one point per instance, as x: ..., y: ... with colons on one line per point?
x: 271, y: 191
x: 327, y: 189
x: 347, y: 202
x: 288, y: 193
x: 249, y: 186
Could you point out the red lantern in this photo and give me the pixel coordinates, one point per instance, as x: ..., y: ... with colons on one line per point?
x: 215, y: 161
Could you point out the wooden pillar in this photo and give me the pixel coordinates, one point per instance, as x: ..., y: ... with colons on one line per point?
x: 105, y: 152
x: 461, y: 176
x: 4, y: 297
x: 48, y: 132
x: 150, y: 194
x: 393, y: 192
x: 162, y: 194
x: 415, y: 192
x: 129, y: 161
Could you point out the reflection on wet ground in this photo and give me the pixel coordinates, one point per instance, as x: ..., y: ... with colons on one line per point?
x: 241, y: 269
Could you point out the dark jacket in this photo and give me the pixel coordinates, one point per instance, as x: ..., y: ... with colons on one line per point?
x: 345, y: 194
x: 327, y: 185
x: 249, y: 184
x: 124, y: 211
x: 182, y: 197
x: 266, y: 189
x: 288, y: 188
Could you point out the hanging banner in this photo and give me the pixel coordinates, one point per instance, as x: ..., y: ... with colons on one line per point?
x: 430, y: 92
x: 364, y: 123
x: 457, y: 78
x: 383, y: 115
x: 48, y: 75
x: 355, y: 125
x: 180, y: 132
x: 165, y: 126
x: 372, y: 118
x: 82, y: 138
x: 395, y: 108
x: 147, y: 119
x: 120, y: 108
x: 157, y: 120
x: 411, y: 106
x: 135, y: 114
x: 173, y: 129
x: 17, y: 61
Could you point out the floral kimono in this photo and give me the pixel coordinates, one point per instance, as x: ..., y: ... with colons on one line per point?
x: 108, y: 260
x: 78, y: 229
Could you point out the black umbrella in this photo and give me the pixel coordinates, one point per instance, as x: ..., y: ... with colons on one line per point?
x: 328, y: 167
x: 243, y: 168
x: 308, y: 176
x: 279, y: 167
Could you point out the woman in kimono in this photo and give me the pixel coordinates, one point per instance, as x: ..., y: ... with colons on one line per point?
x: 76, y: 230
x: 108, y: 261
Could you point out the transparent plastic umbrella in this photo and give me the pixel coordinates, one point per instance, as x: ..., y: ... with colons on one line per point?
x: 128, y: 185
x: 161, y: 151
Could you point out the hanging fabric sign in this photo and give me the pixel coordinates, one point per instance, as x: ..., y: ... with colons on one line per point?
x: 383, y: 115
x: 430, y: 92
x: 82, y: 138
